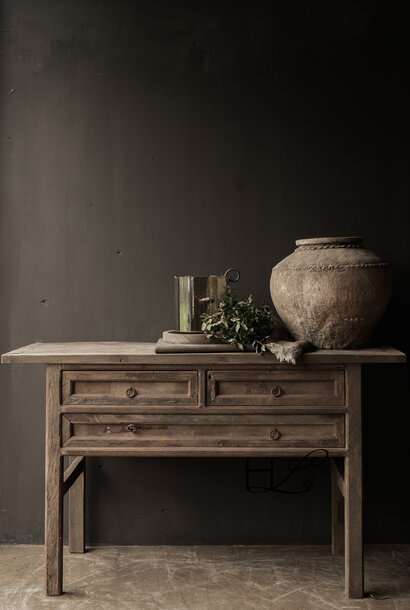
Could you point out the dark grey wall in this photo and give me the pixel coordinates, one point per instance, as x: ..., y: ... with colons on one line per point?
x: 143, y: 139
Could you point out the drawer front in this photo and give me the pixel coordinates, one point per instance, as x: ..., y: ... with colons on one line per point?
x: 85, y: 430
x: 270, y: 388
x: 156, y: 388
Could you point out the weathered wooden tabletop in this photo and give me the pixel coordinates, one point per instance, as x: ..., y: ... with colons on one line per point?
x: 124, y: 352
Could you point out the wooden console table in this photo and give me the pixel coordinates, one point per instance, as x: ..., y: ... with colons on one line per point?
x: 122, y: 399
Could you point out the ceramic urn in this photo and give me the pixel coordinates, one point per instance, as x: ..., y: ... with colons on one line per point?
x: 331, y: 291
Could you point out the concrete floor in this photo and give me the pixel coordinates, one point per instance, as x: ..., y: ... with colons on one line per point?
x: 204, y: 577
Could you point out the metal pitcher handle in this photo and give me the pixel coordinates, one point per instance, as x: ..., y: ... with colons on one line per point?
x: 232, y: 279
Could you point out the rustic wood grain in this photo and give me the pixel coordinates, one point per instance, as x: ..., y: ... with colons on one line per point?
x: 338, y: 490
x: 195, y: 451
x: 103, y: 430
x: 148, y: 387
x: 54, y: 486
x: 144, y: 353
x: 204, y: 419
x: 203, y: 410
x: 318, y: 407
x: 338, y: 476
x: 76, y: 510
x: 202, y: 386
x: 205, y: 364
x: 71, y: 473
x: 353, y: 485
x: 293, y: 387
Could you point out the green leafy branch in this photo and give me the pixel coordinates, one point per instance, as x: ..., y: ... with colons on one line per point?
x: 240, y: 323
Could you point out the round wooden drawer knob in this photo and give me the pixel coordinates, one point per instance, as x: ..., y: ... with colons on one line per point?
x: 132, y: 428
x: 131, y: 392
x: 275, y: 434
x: 276, y: 391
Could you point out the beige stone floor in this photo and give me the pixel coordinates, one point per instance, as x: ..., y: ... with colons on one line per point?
x: 204, y: 577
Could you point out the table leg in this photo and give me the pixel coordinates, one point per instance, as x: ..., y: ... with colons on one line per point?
x: 53, y: 487
x: 77, y: 512
x: 338, y: 507
x: 353, y: 486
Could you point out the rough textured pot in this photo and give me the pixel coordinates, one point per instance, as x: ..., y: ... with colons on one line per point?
x: 331, y: 291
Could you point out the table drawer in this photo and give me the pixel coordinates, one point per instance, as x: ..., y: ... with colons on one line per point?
x: 156, y: 388
x: 276, y: 388
x: 86, y: 430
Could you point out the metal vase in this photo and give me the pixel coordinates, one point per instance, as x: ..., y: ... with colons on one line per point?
x: 197, y: 295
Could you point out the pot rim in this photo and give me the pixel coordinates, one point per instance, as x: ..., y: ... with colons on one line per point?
x: 329, y: 241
